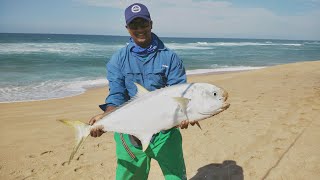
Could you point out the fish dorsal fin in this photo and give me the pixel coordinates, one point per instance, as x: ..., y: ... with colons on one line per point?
x: 140, y: 90
x: 183, y: 103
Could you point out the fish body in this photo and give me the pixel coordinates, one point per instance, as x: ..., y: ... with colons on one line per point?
x: 151, y: 112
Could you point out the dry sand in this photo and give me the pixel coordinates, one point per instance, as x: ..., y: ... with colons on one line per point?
x: 271, y: 131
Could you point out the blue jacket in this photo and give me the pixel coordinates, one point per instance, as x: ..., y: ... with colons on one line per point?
x: 161, y: 68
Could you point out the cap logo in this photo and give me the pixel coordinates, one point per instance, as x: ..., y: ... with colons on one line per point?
x: 135, y: 9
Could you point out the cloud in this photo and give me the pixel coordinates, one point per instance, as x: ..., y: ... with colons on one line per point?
x: 107, y: 3
x: 151, y: 3
x: 205, y: 18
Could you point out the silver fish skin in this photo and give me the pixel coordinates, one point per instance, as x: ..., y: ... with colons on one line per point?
x: 151, y: 112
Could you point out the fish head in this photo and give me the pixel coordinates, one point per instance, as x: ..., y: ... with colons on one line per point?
x: 208, y: 100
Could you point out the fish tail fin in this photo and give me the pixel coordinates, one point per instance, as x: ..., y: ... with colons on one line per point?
x: 82, y: 131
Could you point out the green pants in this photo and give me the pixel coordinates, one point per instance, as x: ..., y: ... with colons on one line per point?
x: 166, y: 148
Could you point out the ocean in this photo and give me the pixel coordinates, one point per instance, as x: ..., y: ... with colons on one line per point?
x: 48, y: 66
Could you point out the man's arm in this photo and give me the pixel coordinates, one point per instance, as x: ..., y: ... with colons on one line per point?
x: 100, y: 116
x: 177, y: 72
x: 117, y: 95
x: 177, y: 75
x: 97, y: 132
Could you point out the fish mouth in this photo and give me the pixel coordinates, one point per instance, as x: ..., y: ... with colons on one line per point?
x: 225, y: 106
x: 225, y: 94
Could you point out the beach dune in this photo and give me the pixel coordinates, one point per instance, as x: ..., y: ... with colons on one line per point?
x: 270, y: 131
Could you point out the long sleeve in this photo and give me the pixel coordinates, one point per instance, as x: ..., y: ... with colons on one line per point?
x: 177, y: 73
x: 118, y: 93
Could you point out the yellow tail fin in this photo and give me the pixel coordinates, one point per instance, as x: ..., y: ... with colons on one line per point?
x: 82, y: 131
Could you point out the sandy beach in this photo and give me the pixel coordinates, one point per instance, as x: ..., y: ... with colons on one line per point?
x: 271, y: 131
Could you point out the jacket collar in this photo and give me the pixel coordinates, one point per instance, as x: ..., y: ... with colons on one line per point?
x: 160, y: 45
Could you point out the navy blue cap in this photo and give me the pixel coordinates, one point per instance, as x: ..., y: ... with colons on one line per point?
x: 136, y: 10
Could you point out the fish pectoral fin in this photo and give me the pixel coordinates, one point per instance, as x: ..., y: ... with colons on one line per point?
x: 140, y: 90
x: 183, y: 104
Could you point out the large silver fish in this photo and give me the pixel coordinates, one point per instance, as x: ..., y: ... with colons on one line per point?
x: 151, y: 112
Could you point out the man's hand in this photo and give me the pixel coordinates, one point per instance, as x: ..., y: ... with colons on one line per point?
x: 95, y: 118
x: 184, y: 124
x: 97, y: 131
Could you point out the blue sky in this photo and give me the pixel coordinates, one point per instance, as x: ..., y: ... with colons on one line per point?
x: 279, y: 19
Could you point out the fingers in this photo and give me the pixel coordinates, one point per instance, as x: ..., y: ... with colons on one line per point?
x: 93, y: 133
x: 184, y: 124
x: 92, y: 121
x: 96, y: 132
x: 99, y: 133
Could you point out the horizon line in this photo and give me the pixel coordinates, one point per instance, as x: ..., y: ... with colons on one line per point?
x: 161, y: 36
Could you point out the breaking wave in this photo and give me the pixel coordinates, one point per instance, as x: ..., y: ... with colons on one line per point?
x: 211, y: 45
x: 54, y: 89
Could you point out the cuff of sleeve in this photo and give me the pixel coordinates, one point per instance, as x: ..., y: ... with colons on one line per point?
x: 103, y: 107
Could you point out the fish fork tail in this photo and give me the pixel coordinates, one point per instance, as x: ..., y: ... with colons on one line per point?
x: 82, y: 131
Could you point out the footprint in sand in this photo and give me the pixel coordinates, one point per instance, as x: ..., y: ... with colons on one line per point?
x: 79, y: 156
x: 255, y: 157
x: 31, y: 156
x: 279, y: 140
x: 46, y: 152
x: 278, y: 150
x: 206, y: 133
x: 76, y: 169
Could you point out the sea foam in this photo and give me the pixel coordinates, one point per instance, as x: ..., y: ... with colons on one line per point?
x: 55, y: 89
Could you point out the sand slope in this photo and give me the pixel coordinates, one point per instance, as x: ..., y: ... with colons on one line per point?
x: 271, y: 131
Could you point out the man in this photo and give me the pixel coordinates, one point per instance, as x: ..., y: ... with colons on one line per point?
x: 148, y: 62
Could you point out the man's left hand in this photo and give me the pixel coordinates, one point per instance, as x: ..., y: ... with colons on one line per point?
x: 184, y: 124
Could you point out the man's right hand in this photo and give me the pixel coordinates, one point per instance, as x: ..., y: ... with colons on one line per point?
x: 97, y: 131
x: 95, y: 118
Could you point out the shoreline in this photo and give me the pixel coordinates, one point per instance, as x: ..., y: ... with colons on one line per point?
x: 106, y: 86
x: 271, y: 130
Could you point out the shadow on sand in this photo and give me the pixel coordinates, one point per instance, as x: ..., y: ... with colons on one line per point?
x: 228, y: 170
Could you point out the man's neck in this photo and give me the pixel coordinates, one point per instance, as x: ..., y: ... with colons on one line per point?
x: 145, y: 44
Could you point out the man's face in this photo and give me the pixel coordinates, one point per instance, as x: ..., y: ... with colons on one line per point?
x: 140, y: 31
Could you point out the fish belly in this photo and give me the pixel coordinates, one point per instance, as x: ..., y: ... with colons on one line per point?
x: 149, y: 114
